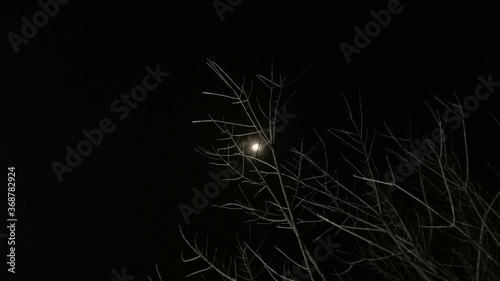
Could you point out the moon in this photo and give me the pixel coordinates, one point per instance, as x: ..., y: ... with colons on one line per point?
x: 255, y: 147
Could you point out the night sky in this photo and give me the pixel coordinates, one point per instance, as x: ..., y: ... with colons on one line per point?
x: 119, y: 206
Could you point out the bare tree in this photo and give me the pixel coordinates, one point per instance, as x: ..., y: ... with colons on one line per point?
x: 428, y: 222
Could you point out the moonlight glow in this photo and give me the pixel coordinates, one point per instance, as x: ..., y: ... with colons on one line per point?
x: 255, y: 147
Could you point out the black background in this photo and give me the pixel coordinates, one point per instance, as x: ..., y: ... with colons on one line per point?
x: 119, y: 207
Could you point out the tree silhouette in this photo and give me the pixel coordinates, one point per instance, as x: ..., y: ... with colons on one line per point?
x: 312, y: 222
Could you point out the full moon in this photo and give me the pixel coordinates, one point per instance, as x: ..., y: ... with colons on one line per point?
x: 255, y: 147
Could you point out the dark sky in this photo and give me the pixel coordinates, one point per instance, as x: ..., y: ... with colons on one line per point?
x: 119, y: 206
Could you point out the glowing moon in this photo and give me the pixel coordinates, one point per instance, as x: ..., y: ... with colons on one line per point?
x: 255, y: 147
